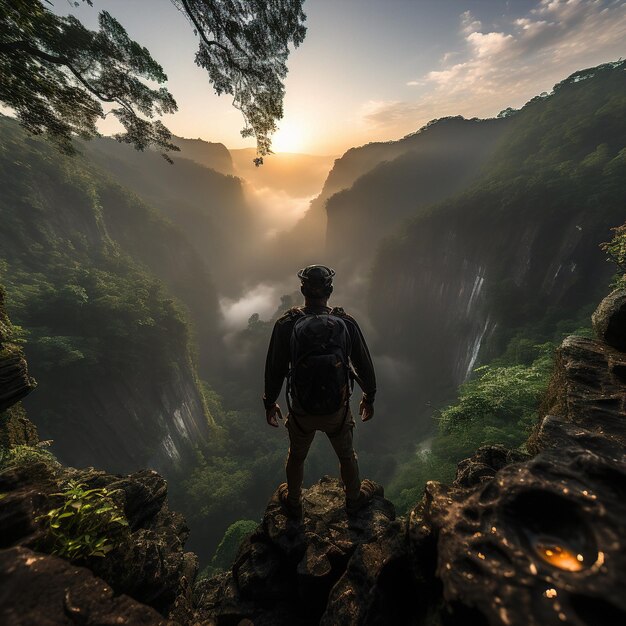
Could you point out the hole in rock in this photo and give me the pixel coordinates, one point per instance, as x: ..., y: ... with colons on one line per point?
x: 553, y: 528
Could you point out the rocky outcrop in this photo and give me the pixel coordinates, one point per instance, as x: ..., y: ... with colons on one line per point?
x: 609, y: 319
x: 15, y: 382
x: 148, y: 563
x: 285, y: 570
x: 37, y: 589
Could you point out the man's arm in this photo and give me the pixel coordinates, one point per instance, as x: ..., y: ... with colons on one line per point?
x: 276, y: 368
x: 364, y: 370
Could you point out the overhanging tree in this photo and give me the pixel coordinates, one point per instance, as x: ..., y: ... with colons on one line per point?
x: 55, y: 74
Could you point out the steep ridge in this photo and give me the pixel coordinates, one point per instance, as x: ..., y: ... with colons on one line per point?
x: 443, y: 159
x: 206, y: 205
x: 444, y: 140
x: 111, y: 350
x: 517, y: 252
x: 214, y: 156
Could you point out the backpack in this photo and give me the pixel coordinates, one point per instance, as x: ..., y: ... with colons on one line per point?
x: 319, y: 380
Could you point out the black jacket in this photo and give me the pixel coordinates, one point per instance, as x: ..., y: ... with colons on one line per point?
x: 278, y: 353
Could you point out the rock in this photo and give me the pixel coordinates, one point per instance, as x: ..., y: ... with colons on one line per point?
x: 15, y: 382
x: 150, y: 564
x: 542, y: 543
x: 16, y: 429
x: 588, y: 390
x: 285, y: 570
x: 483, y: 465
x: 609, y: 320
x: 43, y: 590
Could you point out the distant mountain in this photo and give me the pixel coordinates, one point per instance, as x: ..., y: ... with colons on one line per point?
x: 299, y: 175
x: 215, y: 156
x: 208, y: 206
x: 437, y: 162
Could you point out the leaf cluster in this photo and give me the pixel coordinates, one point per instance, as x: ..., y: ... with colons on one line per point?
x: 55, y: 74
x: 86, y: 524
x: 616, y: 253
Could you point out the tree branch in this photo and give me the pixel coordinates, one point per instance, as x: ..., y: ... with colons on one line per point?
x: 24, y: 46
x: 208, y: 42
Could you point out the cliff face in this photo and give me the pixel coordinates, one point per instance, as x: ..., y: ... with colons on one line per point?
x: 110, y: 349
x: 443, y: 158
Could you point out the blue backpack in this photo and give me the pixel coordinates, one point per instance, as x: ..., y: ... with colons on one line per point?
x: 319, y: 381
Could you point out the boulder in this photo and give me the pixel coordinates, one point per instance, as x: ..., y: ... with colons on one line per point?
x: 43, y: 590
x: 15, y: 382
x: 609, y: 320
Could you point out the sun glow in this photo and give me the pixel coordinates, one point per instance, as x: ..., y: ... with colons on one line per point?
x: 290, y: 137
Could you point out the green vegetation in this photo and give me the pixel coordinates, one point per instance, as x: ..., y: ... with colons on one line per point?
x: 498, y: 406
x: 229, y: 545
x: 23, y: 455
x: 616, y: 253
x: 78, y: 257
x: 86, y: 524
x: 55, y: 73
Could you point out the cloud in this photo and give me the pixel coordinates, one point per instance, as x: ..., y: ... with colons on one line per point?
x: 496, y: 68
x: 381, y: 113
x: 263, y: 299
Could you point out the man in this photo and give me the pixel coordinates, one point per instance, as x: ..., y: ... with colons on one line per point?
x: 312, y: 346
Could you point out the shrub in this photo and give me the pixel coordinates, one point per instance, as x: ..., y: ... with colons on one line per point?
x: 86, y: 524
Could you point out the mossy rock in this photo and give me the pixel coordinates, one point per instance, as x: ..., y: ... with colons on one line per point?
x: 16, y: 429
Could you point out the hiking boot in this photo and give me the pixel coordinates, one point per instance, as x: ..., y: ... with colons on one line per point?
x: 293, y: 509
x: 369, y: 489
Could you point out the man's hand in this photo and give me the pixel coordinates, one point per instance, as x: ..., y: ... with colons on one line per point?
x: 366, y: 411
x: 273, y: 413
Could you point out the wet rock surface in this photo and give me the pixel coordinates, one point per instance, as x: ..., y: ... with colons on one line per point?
x: 150, y: 564
x: 609, y: 320
x: 44, y: 590
x: 286, y: 569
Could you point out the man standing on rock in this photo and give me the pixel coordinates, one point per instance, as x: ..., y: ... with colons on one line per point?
x: 320, y: 350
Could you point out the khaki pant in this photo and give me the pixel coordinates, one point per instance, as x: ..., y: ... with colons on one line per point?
x: 338, y: 427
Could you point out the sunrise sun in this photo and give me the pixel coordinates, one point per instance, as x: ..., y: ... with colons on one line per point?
x: 290, y: 137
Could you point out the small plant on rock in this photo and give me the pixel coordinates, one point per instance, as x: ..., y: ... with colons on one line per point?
x: 87, y: 524
x: 616, y: 253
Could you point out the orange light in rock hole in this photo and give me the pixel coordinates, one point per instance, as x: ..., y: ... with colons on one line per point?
x: 559, y: 556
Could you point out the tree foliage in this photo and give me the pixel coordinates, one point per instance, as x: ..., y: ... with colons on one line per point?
x: 56, y: 74
x: 616, y: 253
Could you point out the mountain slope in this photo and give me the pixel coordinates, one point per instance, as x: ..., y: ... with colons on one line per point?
x: 111, y: 350
x: 207, y: 206
x: 516, y: 254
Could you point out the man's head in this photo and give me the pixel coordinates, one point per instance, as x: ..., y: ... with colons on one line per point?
x: 316, y: 282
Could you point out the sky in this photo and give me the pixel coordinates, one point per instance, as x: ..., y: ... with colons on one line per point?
x: 376, y: 70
